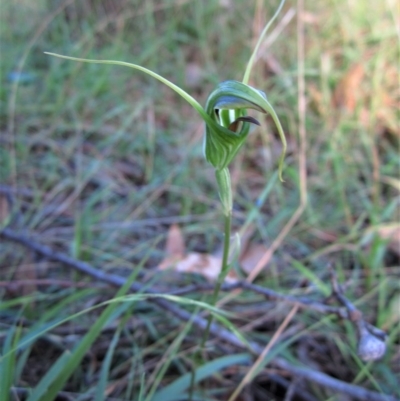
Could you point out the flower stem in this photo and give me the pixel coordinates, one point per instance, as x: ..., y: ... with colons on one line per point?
x: 221, y: 277
x: 225, y: 193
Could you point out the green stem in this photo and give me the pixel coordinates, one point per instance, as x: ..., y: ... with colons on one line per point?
x: 225, y: 193
x: 221, y: 277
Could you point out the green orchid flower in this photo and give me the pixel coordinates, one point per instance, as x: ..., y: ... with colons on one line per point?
x: 227, y: 125
x: 228, y: 129
x: 227, y: 106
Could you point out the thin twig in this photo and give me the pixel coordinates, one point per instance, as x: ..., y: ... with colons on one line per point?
x: 303, y: 302
x: 320, y: 378
x: 14, y: 284
x: 336, y: 385
x: 118, y: 281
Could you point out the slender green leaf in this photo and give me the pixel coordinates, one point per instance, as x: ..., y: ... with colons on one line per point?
x: 105, y: 368
x: 7, y: 364
x: 60, y: 372
x: 260, y: 39
x: 308, y: 273
x: 171, y: 355
x: 192, y: 101
x: 42, y: 391
x: 176, y: 390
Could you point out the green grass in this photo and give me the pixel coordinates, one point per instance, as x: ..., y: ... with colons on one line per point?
x: 101, y: 155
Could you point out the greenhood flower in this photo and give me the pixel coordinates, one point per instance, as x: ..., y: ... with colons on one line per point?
x: 227, y: 124
x: 225, y: 134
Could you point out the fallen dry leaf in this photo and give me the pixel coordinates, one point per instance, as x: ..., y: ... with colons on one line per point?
x: 390, y: 232
x: 387, y: 114
x: 175, y: 244
x: 348, y: 90
x: 251, y: 256
x: 199, y: 263
x: 208, y: 266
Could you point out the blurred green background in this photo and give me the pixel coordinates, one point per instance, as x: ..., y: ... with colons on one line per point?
x: 102, y: 160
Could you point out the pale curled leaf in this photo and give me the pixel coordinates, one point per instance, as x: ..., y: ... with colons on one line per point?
x: 347, y: 91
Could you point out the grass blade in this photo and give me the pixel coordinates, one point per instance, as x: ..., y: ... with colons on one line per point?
x: 176, y: 390
x: 60, y: 372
